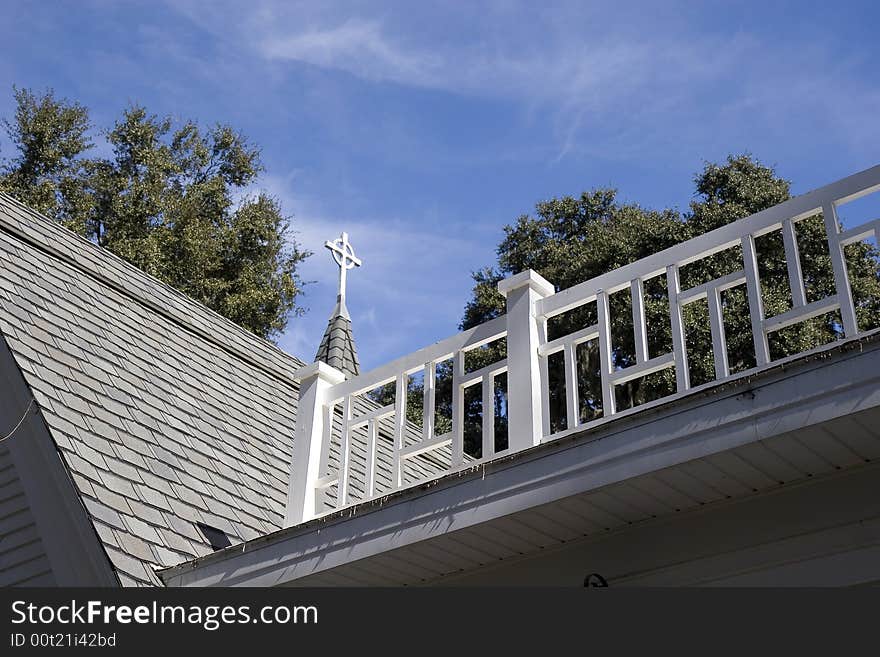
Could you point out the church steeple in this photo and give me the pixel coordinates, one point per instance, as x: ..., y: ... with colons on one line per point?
x: 337, y: 347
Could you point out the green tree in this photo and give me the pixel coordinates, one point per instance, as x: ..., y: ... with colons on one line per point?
x: 49, y: 135
x: 164, y: 201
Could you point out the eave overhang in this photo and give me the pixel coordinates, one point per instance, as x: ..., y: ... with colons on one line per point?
x: 821, y: 386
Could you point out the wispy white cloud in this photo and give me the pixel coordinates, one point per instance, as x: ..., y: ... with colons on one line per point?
x: 635, y: 71
x: 356, y: 46
x: 590, y: 73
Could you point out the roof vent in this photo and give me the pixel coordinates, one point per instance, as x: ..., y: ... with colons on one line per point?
x: 216, y: 538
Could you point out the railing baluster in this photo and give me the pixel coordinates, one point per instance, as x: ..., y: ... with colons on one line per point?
x: 640, y: 330
x: 793, y: 261
x: 457, y: 409
x: 571, y: 386
x: 344, y: 453
x: 400, y: 392
x: 606, y: 365
x: 544, y: 373
x: 370, y: 474
x: 679, y: 350
x: 488, y: 384
x: 756, y: 305
x: 838, y: 265
x: 324, y: 463
x: 719, y: 342
x: 429, y: 384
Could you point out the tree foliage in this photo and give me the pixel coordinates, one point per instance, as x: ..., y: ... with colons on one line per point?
x: 164, y: 200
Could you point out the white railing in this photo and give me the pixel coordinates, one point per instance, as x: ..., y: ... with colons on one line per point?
x: 531, y: 302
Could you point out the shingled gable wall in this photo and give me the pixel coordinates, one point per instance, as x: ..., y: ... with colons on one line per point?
x: 46, y: 538
x: 165, y: 414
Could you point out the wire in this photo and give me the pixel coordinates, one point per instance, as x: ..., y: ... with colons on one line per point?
x: 20, y: 422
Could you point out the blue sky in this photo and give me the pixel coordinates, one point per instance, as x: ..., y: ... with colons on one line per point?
x: 422, y: 128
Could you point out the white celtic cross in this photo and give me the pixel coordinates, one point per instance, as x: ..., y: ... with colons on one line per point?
x: 343, y: 254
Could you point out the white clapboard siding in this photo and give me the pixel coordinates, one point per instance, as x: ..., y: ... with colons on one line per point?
x: 23, y: 560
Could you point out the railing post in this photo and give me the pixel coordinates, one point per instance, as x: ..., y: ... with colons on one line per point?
x: 524, y: 407
x: 315, y: 381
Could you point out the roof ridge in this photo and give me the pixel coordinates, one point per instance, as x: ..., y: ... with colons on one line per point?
x: 47, y: 235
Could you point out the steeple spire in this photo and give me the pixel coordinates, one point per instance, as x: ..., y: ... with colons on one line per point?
x: 337, y: 347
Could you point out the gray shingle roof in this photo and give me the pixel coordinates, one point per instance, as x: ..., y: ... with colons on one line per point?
x: 166, y: 414
x: 337, y: 346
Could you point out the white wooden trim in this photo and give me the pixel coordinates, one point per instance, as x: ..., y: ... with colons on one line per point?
x: 702, y: 246
x: 606, y: 366
x: 344, y: 455
x: 524, y: 380
x: 838, y: 265
x: 438, y: 352
x: 370, y: 482
x: 326, y: 481
x: 572, y: 412
x: 426, y: 446
x: 576, y: 338
x: 702, y: 291
x: 544, y: 373
x: 429, y: 385
x: 488, y: 416
x: 797, y: 315
x: 483, y: 373
x: 793, y: 263
x: 858, y: 233
x: 457, y: 409
x: 719, y: 342
x: 642, y: 369
x: 817, y: 391
x: 400, y: 401
x: 640, y: 329
x: 679, y: 350
x: 756, y: 304
x: 531, y: 301
x: 374, y: 414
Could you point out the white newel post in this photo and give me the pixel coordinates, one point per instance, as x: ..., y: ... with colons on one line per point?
x: 315, y: 380
x: 524, y: 407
